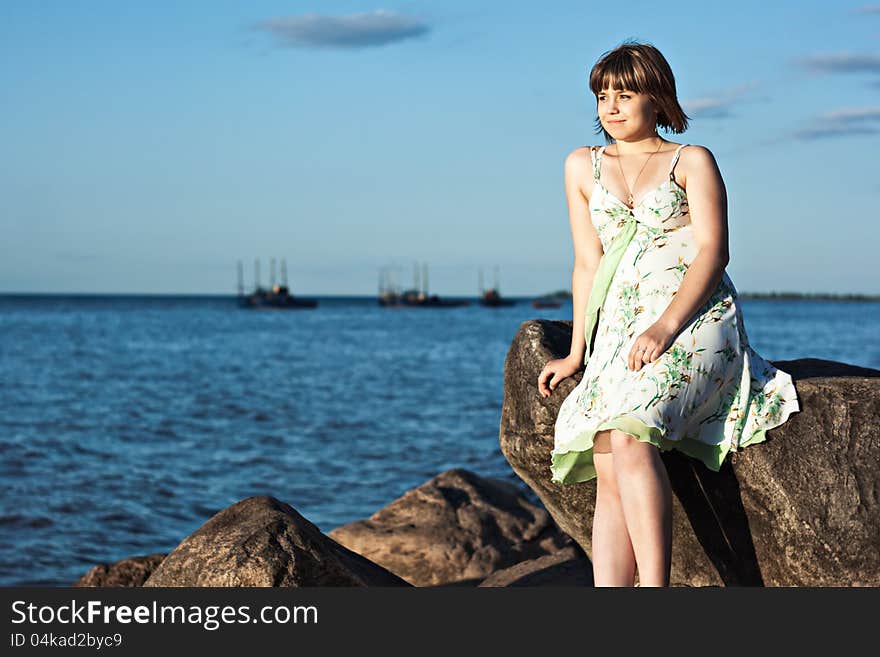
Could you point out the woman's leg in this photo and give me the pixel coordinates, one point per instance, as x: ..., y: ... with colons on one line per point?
x: 646, y: 496
x: 614, y: 562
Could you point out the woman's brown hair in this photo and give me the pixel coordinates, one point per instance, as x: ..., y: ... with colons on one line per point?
x: 640, y: 67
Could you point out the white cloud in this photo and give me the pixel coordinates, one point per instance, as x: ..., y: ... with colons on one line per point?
x: 352, y: 31
x: 843, y: 122
x: 716, y: 106
x: 844, y: 62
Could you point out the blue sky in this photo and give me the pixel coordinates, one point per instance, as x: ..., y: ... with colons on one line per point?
x: 149, y: 146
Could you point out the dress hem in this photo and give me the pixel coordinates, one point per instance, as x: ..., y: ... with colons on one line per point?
x: 575, y: 465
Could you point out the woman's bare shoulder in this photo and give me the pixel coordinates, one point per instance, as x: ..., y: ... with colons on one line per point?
x: 695, y: 155
x: 695, y: 158
x: 579, y: 166
x: 579, y: 156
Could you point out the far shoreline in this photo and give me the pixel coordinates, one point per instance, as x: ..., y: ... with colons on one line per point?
x: 562, y: 294
x: 778, y: 296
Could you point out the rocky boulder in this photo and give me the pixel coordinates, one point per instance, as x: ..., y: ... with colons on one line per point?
x: 260, y: 541
x: 125, y: 573
x: 455, y: 528
x: 800, y: 509
x: 568, y: 567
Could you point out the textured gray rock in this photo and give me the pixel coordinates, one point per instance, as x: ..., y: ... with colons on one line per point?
x: 125, y: 573
x: 455, y: 528
x: 567, y: 567
x: 260, y: 541
x: 800, y: 509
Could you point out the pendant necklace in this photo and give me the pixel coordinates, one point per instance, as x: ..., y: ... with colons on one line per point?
x: 630, y: 201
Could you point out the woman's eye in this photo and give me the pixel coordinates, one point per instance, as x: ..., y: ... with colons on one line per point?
x: 624, y: 95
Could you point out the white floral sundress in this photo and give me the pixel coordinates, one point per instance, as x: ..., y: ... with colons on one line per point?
x: 709, y: 393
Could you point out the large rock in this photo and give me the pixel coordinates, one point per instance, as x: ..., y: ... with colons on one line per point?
x: 800, y: 509
x: 128, y: 572
x: 455, y: 528
x: 260, y: 541
x: 568, y: 567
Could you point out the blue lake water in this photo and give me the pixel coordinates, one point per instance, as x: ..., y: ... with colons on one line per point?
x: 129, y: 421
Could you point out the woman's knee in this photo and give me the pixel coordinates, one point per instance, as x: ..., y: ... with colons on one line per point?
x: 627, y: 449
x: 622, y: 442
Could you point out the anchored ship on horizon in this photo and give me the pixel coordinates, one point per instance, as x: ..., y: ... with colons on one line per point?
x: 275, y: 297
x: 391, y: 295
x: 492, y: 297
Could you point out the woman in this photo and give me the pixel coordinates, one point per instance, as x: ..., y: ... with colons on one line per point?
x: 656, y: 321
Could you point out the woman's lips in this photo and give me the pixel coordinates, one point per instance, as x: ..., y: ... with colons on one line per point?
x: 617, y: 121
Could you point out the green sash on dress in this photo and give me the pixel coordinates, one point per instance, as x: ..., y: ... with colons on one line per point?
x: 602, y: 278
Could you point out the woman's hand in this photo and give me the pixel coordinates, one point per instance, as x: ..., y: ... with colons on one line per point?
x: 650, y: 345
x: 558, y: 369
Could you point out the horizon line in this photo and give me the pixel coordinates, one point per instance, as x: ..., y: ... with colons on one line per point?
x: 560, y: 293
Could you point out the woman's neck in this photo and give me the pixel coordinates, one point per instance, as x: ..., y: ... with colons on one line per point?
x: 647, y: 144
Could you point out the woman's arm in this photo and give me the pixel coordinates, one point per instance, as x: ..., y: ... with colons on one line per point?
x: 587, y: 246
x: 707, y: 201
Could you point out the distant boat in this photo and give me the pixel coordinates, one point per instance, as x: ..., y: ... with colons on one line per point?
x: 388, y: 298
x: 390, y: 295
x: 492, y: 297
x: 276, y: 297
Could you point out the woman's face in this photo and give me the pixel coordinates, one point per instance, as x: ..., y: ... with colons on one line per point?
x: 626, y: 114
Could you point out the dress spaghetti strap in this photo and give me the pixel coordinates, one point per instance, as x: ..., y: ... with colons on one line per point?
x: 675, y: 161
x: 595, y: 162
